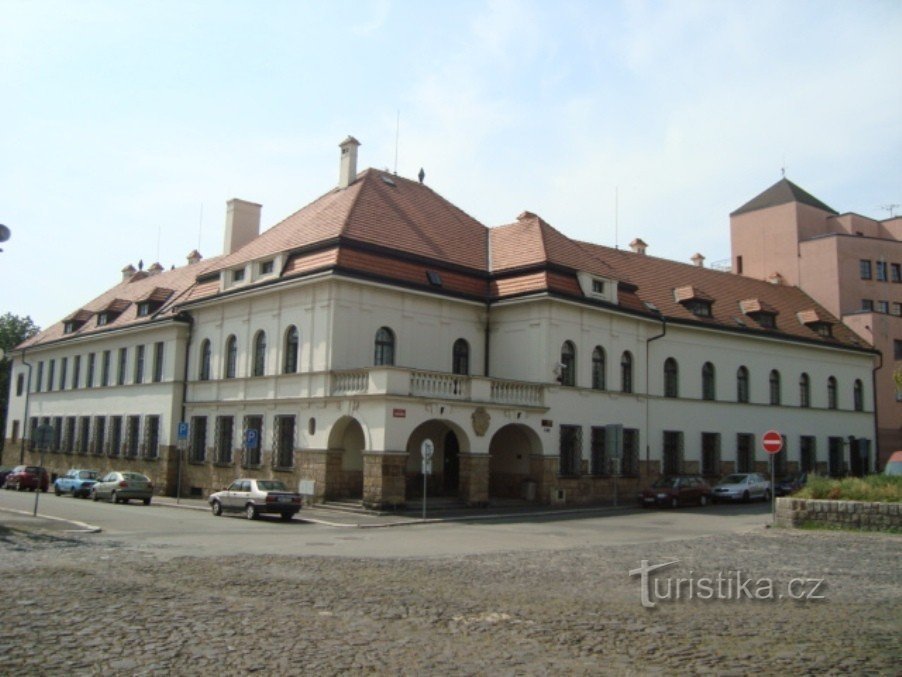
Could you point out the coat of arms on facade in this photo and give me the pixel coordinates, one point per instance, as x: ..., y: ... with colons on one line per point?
x: 481, y: 420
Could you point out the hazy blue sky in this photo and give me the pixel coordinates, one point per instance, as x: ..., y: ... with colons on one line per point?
x: 127, y: 125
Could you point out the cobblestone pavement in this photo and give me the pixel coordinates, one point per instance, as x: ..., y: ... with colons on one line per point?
x: 84, y: 608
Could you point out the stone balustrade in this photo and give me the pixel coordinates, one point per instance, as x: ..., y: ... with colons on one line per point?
x: 511, y: 392
x: 434, y: 384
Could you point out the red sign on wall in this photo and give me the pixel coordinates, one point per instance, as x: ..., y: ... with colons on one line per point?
x: 399, y: 413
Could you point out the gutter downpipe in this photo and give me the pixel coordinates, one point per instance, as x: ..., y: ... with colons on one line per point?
x: 24, y: 442
x: 186, y: 317
x: 874, y: 396
x: 647, y: 395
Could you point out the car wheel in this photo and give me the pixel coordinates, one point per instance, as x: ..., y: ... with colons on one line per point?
x: 250, y: 512
x: 113, y: 497
x: 703, y: 500
x: 147, y: 501
x: 674, y: 502
x: 216, y: 507
x: 745, y: 497
x: 94, y: 496
x: 56, y: 490
x: 286, y: 516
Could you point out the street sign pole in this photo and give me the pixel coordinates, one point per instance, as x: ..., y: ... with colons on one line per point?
x: 181, y: 445
x: 427, y: 449
x: 772, y: 441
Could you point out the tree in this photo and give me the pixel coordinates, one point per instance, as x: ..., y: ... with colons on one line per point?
x: 13, y: 330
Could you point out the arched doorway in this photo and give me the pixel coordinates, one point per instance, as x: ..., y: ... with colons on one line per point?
x: 346, y: 441
x: 511, y: 454
x: 450, y: 442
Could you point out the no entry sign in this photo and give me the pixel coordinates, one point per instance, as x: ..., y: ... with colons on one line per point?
x: 772, y: 442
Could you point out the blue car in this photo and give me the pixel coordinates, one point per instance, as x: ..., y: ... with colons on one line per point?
x: 77, y: 482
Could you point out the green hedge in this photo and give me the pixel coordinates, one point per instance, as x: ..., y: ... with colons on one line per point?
x: 873, y: 488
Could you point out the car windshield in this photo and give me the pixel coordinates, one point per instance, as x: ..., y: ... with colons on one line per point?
x: 33, y: 469
x: 270, y: 485
x: 665, y: 482
x: 136, y: 476
x: 87, y: 475
x: 733, y: 479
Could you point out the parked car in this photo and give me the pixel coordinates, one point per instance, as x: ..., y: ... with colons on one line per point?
x: 673, y: 491
x: 254, y: 497
x: 122, y: 487
x: 790, y: 484
x: 77, y: 482
x: 4, y: 471
x: 894, y: 464
x: 742, y: 487
x: 29, y: 477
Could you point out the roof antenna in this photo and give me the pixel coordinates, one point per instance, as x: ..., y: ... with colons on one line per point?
x: 616, y: 217
x: 200, y: 225
x: 397, y: 135
x: 783, y: 167
x: 891, y: 208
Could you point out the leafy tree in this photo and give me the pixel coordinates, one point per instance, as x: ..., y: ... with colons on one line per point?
x: 13, y: 330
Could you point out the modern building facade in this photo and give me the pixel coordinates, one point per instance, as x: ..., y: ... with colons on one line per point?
x: 850, y: 264
x: 326, y: 350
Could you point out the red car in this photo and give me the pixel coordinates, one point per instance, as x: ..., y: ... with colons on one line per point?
x: 676, y: 491
x: 29, y: 477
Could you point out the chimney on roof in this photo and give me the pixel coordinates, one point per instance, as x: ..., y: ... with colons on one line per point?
x: 421, y: 175
x: 242, y: 224
x: 155, y: 269
x: 348, y: 165
x: 194, y: 257
x: 698, y: 260
x: 127, y: 272
x: 638, y: 246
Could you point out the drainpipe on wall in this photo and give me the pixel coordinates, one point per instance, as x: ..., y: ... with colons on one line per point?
x: 874, y: 400
x: 24, y: 442
x: 647, y: 394
x: 184, y: 317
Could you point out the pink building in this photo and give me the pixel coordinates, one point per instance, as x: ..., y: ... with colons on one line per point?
x: 850, y: 264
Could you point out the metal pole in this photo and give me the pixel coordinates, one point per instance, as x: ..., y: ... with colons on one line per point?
x: 37, y: 489
x: 773, y: 493
x: 178, y: 481
x: 424, y: 492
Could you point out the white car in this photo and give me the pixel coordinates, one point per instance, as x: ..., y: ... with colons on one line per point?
x: 742, y: 487
x: 253, y: 497
x: 122, y: 487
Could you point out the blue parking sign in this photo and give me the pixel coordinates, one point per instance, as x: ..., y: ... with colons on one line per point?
x: 251, y: 438
x: 183, y: 430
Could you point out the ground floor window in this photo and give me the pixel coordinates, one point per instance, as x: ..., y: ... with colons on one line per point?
x: 599, y: 456
x: 32, y: 433
x: 807, y: 454
x: 745, y: 452
x: 57, y: 443
x: 629, y: 463
x: 151, y: 436
x: 132, y: 436
x: 673, y: 452
x: 115, y: 436
x: 780, y: 460
x: 283, y: 443
x: 251, y: 443
x: 835, y: 465
x: 223, y: 440
x: 99, y: 436
x: 84, y: 433
x: 571, y: 450
x: 69, y: 435
x: 198, y: 439
x: 711, y: 454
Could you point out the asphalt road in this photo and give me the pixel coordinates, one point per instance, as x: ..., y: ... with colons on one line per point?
x: 183, y: 531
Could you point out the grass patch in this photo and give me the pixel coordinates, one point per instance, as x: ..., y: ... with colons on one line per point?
x: 812, y: 525
x: 872, y: 488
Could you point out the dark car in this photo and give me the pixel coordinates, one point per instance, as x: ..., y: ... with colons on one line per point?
x: 29, y: 477
x: 253, y: 497
x: 790, y: 484
x: 673, y: 491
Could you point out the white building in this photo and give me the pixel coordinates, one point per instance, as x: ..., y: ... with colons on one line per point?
x: 381, y: 315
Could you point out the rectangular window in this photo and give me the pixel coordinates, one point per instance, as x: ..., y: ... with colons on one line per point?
x: 99, y: 438
x: 266, y: 267
x: 51, y: 369
x: 711, y: 454
x: 198, y: 439
x: 897, y: 309
x: 84, y: 433
x: 33, y: 433
x: 115, y: 436
x: 69, y: 435
x: 123, y: 366
x: 132, y: 436
x: 895, y: 272
x: 808, y: 453
x: 745, y: 452
x: 64, y: 368
x: 599, y: 458
x: 89, y: 379
x: 835, y: 465
x: 223, y: 440
x: 39, y: 383
x: 864, y: 269
x: 598, y: 286
x: 76, y: 372
x: 57, y: 443
x: 105, y: 368
x: 881, y: 271
x: 673, y: 452
x: 629, y: 464
x: 867, y: 304
x: 251, y: 443
x: 158, y: 362
x: 151, y: 436
x: 897, y: 349
x: 139, y: 364
x: 238, y: 275
x: 780, y: 459
x: 883, y: 306
x: 570, y: 450
x: 283, y: 454
x: 739, y: 265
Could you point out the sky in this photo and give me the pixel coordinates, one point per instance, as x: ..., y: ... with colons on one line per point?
x: 126, y: 125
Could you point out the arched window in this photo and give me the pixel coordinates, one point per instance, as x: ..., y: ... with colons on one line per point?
x: 568, y: 364
x: 626, y: 372
x: 831, y: 393
x: 742, y: 385
x: 260, y: 353
x: 460, y: 357
x: 804, y: 391
x: 385, y: 347
x: 858, y: 395
x: 292, y: 341
x: 206, y: 354
x: 598, y: 368
x: 776, y: 396
x: 231, y: 362
x: 709, y: 387
x: 671, y: 378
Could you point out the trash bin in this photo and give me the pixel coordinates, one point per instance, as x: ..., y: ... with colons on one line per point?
x: 529, y: 490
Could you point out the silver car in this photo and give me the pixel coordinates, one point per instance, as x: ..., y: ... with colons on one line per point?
x: 122, y: 487
x: 254, y: 497
x: 742, y: 487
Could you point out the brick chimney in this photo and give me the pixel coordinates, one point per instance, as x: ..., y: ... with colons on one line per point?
x: 127, y: 272
x: 242, y: 224
x: 194, y: 257
x: 698, y: 260
x: 348, y: 165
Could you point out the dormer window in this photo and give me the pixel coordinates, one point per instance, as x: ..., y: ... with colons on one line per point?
x: 694, y: 300
x: 104, y: 319
x: 434, y: 278
x: 598, y: 288
x: 238, y: 275
x: 145, y: 308
x: 113, y: 310
x: 823, y: 329
x: 266, y: 267
x: 816, y: 322
x: 71, y: 326
x: 762, y: 313
x: 76, y: 321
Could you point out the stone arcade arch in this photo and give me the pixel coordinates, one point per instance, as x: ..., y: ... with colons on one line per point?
x: 347, y: 441
x: 515, y: 458
x: 449, y: 464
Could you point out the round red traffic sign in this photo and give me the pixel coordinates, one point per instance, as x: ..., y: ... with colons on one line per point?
x: 772, y: 442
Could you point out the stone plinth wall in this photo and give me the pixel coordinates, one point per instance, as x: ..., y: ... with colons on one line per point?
x: 793, y: 512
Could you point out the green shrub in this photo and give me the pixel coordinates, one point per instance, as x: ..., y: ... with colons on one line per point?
x: 874, y: 488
